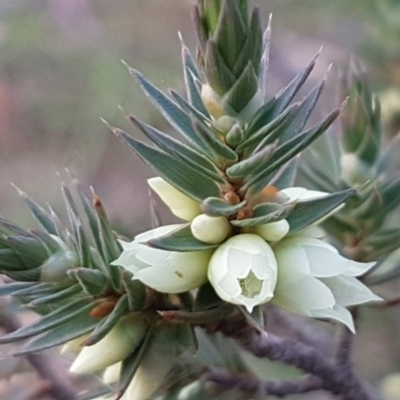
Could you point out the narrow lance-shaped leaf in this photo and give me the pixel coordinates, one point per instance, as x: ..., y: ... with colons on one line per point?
x: 276, y: 105
x: 264, y: 66
x: 171, y: 112
x: 172, y: 146
x: 286, y: 176
x: 230, y: 34
x: 191, y: 74
x: 173, y: 170
x: 50, y: 321
x: 286, y: 152
x: 41, y: 215
x: 217, y: 207
x: 309, y: 212
x: 181, y: 239
x: 83, y: 324
x: 55, y: 297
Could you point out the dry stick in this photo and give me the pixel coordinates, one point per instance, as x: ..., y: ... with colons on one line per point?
x: 275, y: 388
x: 305, y: 357
x: 59, y: 388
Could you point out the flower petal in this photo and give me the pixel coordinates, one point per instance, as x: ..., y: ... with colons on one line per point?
x: 303, y: 294
x: 349, y: 291
x: 337, y: 313
x: 182, y: 272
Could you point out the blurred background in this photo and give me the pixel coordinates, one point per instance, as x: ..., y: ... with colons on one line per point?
x: 60, y: 71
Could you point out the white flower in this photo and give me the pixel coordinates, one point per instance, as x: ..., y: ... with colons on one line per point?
x: 164, y: 271
x: 210, y: 229
x: 243, y: 271
x: 180, y: 205
x: 121, y: 341
x: 315, y: 280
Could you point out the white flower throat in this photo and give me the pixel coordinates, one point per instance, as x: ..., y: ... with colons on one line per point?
x: 251, y: 286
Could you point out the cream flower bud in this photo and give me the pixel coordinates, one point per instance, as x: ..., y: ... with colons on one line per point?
x: 164, y: 271
x: 114, y: 347
x: 212, y: 101
x: 243, y: 271
x: 353, y: 170
x: 210, y: 229
x: 180, y: 205
x: 273, y: 231
x: 74, y: 346
x: 112, y: 373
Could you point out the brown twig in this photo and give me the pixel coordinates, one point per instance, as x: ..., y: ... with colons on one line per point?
x: 275, y: 388
x: 305, y: 357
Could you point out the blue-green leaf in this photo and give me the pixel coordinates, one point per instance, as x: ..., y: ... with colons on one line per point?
x: 181, y: 239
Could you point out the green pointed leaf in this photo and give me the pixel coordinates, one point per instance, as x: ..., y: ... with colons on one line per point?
x: 191, y: 74
x: 303, y: 112
x: 40, y: 289
x: 309, y: 212
x: 286, y: 176
x: 171, y: 112
x: 109, y: 321
x: 50, y: 321
x: 220, y: 150
x: 215, y: 207
x: 264, y: 65
x: 173, y: 170
x: 136, y: 291
x: 230, y: 34
x: 60, y: 295
x: 30, y: 275
x: 275, y: 106
x: 41, y: 215
x: 187, y: 338
x: 10, y: 261
x: 265, y: 213
x: 93, y: 282
x: 252, y: 164
x: 30, y: 250
x: 175, y: 148
x: 218, y: 74
x: 252, y: 48
x: 83, y: 324
x: 287, y: 151
x: 206, y: 298
x: 10, y: 288
x: 180, y: 239
x: 244, y: 89
x: 254, y: 139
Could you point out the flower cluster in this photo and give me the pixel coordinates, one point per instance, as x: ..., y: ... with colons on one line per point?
x: 251, y: 266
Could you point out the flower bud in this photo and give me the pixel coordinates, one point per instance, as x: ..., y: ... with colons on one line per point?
x: 117, y: 345
x: 273, y: 231
x: 224, y: 124
x: 354, y: 170
x: 210, y: 229
x: 212, y: 101
x: 112, y: 374
x: 243, y: 270
x: 56, y: 266
x: 74, y: 346
x: 180, y: 205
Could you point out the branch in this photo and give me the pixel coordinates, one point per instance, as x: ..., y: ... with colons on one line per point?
x: 305, y: 357
x: 59, y: 387
x: 275, y: 388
